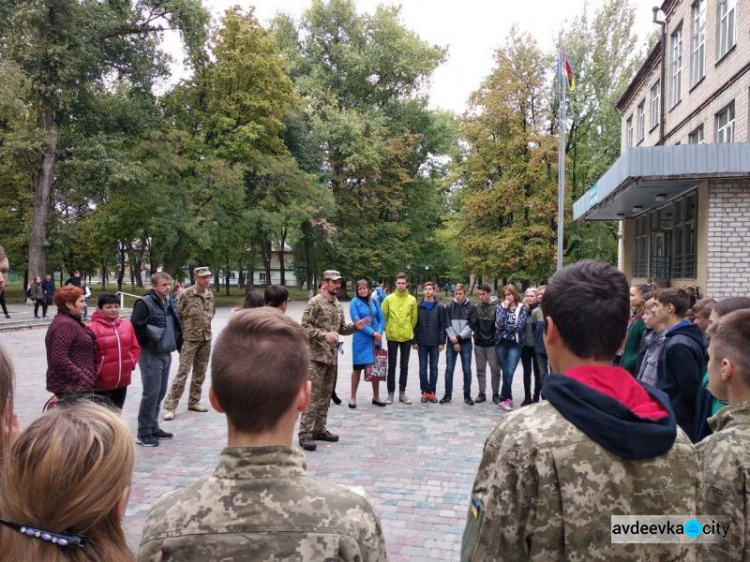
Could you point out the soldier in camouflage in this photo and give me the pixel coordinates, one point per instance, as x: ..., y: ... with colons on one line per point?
x: 196, y: 308
x: 323, y: 320
x: 259, y: 504
x: 725, y: 455
x: 553, y: 473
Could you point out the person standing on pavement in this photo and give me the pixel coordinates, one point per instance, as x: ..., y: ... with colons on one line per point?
x: 460, y: 315
x: 537, y: 324
x: 36, y: 294
x: 484, y: 345
x: 48, y: 288
x: 400, y: 313
x: 74, y: 279
x: 366, y: 340
x: 157, y: 327
x: 429, y: 341
x: 510, y: 321
x: 528, y: 353
x: 4, y: 271
x: 323, y: 320
x: 196, y: 309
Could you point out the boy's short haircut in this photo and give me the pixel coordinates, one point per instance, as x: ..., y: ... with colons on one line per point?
x: 253, y: 300
x: 730, y: 339
x: 589, y: 302
x: 460, y: 287
x: 401, y: 275
x: 107, y: 298
x: 430, y: 283
x: 276, y: 295
x: 704, y: 307
x: 484, y: 287
x: 678, y: 298
x: 730, y: 304
x: 258, y: 365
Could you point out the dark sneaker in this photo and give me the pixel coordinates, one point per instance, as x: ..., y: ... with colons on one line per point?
x: 432, y: 398
x: 468, y: 401
x: 446, y: 399
x: 307, y: 443
x: 147, y: 441
x: 336, y: 399
x: 526, y: 402
x: 325, y: 436
x: 425, y: 398
x: 161, y: 434
x: 496, y: 399
x: 481, y: 398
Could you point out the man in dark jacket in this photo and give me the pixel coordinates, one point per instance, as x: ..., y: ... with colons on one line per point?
x: 484, y: 345
x: 48, y: 288
x: 157, y: 327
x: 429, y: 340
x: 459, y: 317
x: 682, y: 360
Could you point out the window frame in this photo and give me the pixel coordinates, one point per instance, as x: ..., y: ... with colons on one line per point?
x: 655, y: 104
x: 629, y: 132
x: 697, y: 135
x: 726, y: 34
x: 676, y: 94
x: 698, y: 42
x: 641, y: 126
x: 725, y: 132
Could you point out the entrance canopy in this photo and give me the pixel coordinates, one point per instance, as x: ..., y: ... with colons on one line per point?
x: 645, y: 178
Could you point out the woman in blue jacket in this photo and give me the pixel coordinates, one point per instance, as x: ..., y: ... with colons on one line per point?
x: 365, y: 340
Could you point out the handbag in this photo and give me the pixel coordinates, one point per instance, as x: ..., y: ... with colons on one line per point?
x: 378, y: 371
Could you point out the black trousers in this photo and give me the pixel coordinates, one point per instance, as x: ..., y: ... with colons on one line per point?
x: 37, y: 304
x: 394, y: 347
x: 528, y: 361
x: 116, y: 396
x: 2, y: 303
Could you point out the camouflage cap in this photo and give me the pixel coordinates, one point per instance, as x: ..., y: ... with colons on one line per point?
x: 201, y: 271
x: 331, y: 275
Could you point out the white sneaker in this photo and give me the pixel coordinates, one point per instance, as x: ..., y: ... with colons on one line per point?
x: 404, y: 399
x: 506, y: 405
x: 389, y: 401
x: 168, y: 415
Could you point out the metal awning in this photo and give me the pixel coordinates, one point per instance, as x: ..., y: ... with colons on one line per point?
x: 643, y: 178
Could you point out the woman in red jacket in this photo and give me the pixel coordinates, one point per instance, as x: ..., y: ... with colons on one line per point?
x: 118, y: 350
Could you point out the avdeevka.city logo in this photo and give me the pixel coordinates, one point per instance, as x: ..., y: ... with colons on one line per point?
x: 667, y: 529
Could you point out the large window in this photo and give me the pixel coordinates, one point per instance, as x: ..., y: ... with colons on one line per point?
x: 640, y: 264
x: 655, y: 104
x: 698, y: 60
x: 725, y: 124
x: 629, y: 132
x: 685, y: 245
x: 727, y: 24
x: 696, y: 137
x: 641, y: 121
x: 676, y: 67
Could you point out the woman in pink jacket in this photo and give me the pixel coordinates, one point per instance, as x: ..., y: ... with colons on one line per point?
x: 118, y: 350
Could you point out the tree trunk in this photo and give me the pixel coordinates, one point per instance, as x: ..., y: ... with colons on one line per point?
x: 282, y: 265
x: 267, y: 253
x: 227, y: 275
x: 37, y: 253
x: 175, y: 257
x: 241, y: 276
x: 104, y: 274
x: 309, y: 278
x: 121, y: 275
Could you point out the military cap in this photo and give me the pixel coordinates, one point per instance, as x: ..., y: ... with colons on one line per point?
x: 331, y: 275
x: 201, y: 271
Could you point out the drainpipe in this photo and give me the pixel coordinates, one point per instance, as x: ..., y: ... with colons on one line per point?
x: 663, y: 97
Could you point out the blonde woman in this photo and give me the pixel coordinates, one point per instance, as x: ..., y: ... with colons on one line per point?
x: 65, y: 484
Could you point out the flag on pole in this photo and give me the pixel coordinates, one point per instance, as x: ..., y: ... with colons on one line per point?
x: 565, y: 70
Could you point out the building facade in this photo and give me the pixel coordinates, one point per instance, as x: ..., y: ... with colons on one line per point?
x: 681, y: 187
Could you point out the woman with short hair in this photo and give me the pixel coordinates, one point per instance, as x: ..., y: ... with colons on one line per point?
x: 365, y: 340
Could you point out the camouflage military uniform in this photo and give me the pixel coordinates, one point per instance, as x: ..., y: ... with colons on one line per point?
x: 259, y: 505
x: 725, y: 460
x: 196, y: 312
x: 545, y: 491
x: 320, y: 317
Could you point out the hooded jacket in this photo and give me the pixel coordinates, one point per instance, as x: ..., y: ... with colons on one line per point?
x: 400, y: 314
x: 459, y: 319
x: 601, y: 444
x: 118, y: 351
x: 682, y: 362
x: 430, y: 328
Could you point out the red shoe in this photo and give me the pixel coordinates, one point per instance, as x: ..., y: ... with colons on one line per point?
x: 432, y: 398
x: 425, y: 397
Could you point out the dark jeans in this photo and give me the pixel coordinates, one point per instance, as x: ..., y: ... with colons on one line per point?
x: 428, y: 357
x: 116, y: 397
x: 155, y: 376
x: 395, y: 347
x: 543, y: 362
x: 2, y: 303
x: 528, y: 360
x: 450, y: 357
x: 508, y: 355
x: 37, y: 304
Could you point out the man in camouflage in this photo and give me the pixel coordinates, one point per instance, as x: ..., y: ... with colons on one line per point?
x: 323, y: 320
x: 553, y: 474
x: 725, y: 455
x: 259, y: 504
x: 196, y: 308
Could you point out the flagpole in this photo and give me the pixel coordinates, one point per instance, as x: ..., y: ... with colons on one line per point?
x: 561, y: 168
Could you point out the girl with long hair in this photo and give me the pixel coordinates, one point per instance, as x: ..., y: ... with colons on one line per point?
x: 510, y: 320
x: 365, y: 340
x: 8, y: 419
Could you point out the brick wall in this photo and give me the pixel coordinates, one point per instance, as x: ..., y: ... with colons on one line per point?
x: 728, y: 248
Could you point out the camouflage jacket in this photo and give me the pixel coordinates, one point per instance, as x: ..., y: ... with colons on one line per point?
x: 322, y: 316
x: 258, y: 505
x: 545, y: 491
x: 725, y: 460
x: 196, y: 312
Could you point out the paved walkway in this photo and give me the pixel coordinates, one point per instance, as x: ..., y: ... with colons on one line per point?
x: 417, y: 462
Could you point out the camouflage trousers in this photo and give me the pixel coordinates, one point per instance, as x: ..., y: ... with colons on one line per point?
x: 314, y: 419
x: 194, y: 354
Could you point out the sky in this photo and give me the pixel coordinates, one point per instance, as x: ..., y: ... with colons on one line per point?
x: 471, y: 29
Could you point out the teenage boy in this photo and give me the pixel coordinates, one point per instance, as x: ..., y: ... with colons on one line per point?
x: 400, y: 314
x: 429, y: 341
x: 484, y: 345
x: 601, y: 444
x: 682, y: 360
x: 537, y: 324
x: 259, y: 504
x: 277, y: 296
x: 460, y: 315
x: 725, y: 455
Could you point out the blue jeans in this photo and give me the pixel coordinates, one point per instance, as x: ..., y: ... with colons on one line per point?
x: 450, y: 356
x: 508, y: 355
x: 428, y: 357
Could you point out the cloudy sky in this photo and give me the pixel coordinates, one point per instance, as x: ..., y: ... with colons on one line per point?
x: 471, y: 29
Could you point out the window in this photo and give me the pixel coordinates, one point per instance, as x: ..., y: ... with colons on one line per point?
x: 725, y: 124
x: 655, y: 104
x: 640, y: 264
x: 685, y: 245
x: 641, y: 121
x: 698, y: 61
x: 696, y: 137
x: 629, y: 132
x: 262, y: 277
x: 676, y: 67
x: 727, y: 20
